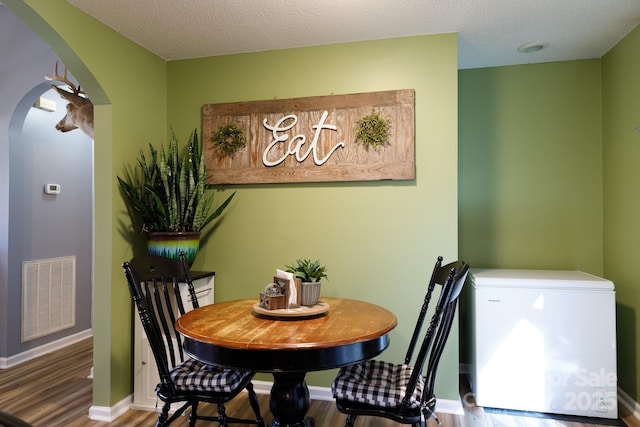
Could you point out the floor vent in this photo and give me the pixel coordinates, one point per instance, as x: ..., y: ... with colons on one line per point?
x: 48, y: 296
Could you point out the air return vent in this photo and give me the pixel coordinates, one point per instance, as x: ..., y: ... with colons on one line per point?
x: 48, y: 296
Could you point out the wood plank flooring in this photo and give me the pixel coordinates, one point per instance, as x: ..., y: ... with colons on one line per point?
x: 55, y: 391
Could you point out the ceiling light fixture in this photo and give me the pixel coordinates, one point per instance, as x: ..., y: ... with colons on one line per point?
x: 532, y: 47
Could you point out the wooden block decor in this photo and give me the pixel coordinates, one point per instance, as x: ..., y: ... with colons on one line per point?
x: 311, y: 139
x: 273, y: 302
x: 285, y: 286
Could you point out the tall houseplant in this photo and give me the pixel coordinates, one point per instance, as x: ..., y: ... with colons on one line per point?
x: 166, y: 192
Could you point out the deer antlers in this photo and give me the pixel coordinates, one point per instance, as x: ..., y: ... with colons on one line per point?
x: 79, y: 109
x: 63, y: 79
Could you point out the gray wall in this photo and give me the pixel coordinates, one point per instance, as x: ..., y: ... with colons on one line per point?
x: 34, y: 225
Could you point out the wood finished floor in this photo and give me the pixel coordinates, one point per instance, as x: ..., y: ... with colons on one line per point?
x: 55, y: 390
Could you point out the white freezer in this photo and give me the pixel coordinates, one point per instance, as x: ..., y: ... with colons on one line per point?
x: 544, y: 341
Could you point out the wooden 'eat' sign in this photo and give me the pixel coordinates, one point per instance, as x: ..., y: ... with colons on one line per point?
x: 309, y: 139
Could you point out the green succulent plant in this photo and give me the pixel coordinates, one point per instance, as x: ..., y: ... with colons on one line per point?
x: 167, y: 191
x: 307, y: 270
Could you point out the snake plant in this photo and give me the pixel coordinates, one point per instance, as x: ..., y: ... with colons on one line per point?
x: 167, y: 191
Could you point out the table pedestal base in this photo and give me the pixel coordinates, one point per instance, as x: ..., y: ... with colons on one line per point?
x: 289, y: 400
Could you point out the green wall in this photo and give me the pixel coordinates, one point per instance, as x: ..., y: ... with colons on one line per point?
x: 621, y: 142
x: 530, y: 166
x: 378, y: 239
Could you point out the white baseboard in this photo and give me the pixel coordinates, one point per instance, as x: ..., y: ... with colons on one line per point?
x: 109, y: 414
x: 315, y: 392
x: 11, y: 361
x: 444, y: 406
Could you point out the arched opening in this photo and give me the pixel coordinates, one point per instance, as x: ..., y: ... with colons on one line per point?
x: 70, y: 151
x: 47, y: 227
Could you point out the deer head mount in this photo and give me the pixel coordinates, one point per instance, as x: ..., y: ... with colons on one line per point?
x: 79, y: 109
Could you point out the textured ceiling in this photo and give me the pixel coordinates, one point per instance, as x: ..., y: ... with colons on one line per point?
x: 489, y: 31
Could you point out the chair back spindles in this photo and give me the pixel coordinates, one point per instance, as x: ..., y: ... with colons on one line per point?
x: 190, y: 289
x: 423, y: 311
x: 155, y: 284
x: 405, y: 393
x: 427, y: 341
x: 143, y: 300
x: 458, y: 280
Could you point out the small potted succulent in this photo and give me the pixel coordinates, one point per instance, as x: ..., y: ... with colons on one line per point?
x: 309, y: 273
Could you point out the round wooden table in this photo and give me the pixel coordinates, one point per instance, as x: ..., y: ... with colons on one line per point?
x: 231, y: 334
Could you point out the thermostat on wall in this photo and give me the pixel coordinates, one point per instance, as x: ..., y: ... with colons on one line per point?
x: 52, y: 188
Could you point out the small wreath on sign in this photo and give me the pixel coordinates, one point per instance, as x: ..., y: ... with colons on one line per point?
x: 373, y: 131
x: 229, y: 139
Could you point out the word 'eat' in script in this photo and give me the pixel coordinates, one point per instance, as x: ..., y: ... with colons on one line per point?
x: 295, y: 144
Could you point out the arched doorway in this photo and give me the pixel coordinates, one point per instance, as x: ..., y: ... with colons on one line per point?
x: 88, y: 82
x: 47, y: 230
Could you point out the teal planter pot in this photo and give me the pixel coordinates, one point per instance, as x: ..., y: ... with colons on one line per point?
x: 170, y: 244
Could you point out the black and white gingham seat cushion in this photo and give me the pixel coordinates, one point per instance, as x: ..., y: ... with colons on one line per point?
x: 376, y: 383
x: 192, y: 375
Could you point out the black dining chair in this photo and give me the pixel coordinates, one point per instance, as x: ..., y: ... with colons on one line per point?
x: 404, y: 392
x: 154, y: 285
